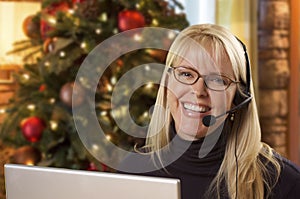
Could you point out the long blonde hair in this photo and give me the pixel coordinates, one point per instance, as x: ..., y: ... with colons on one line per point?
x: 244, y: 141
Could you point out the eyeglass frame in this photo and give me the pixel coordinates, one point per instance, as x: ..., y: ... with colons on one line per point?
x: 199, y: 76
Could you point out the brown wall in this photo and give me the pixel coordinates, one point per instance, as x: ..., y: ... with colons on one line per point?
x: 274, y: 71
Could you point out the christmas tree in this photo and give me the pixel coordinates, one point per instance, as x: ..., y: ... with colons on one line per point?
x: 39, y: 120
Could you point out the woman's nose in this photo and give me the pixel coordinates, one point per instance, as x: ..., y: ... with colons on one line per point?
x: 199, y: 88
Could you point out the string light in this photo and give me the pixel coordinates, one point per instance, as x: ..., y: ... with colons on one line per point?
x: 52, y: 20
x: 149, y: 85
x: 98, y: 31
x: 62, y: 54
x: 29, y: 163
x: 113, y: 80
x: 103, y: 113
x: 31, y: 107
x: 115, y: 31
x: 71, y: 11
x: 171, y: 35
x: 53, y: 125
x: 108, y: 137
x: 103, y: 17
x: 26, y: 76
x: 155, y: 22
x: 147, y: 67
x: 52, y: 100
x: 145, y: 114
x: 137, y: 37
x: 109, y: 87
x: 95, y: 147
x: 47, y: 64
x: 83, y: 45
x: 2, y: 111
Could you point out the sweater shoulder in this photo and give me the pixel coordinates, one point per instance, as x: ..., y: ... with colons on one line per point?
x: 288, y: 185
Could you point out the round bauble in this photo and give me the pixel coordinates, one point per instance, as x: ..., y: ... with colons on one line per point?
x: 32, y: 128
x: 130, y: 19
x: 28, y: 155
x: 69, y: 91
x: 31, y: 27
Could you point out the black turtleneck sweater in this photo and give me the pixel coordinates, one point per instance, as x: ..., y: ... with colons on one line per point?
x: 196, y: 173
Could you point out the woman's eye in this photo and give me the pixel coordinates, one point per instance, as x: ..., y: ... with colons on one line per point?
x: 217, y: 80
x: 185, y: 74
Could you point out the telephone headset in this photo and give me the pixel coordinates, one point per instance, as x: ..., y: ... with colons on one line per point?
x: 240, y: 100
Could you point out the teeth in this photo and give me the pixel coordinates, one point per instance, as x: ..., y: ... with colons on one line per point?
x: 196, y: 108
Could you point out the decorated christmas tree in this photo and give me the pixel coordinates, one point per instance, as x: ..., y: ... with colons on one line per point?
x: 39, y: 121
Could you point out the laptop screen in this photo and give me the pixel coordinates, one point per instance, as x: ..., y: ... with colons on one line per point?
x: 33, y: 182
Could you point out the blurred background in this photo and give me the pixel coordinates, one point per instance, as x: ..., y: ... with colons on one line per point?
x: 44, y: 42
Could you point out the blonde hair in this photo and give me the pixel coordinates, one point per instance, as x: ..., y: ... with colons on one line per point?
x: 252, y: 177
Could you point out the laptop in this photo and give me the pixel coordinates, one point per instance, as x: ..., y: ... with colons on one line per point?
x: 34, y: 182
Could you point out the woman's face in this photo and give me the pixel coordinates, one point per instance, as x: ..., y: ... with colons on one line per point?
x: 190, y: 103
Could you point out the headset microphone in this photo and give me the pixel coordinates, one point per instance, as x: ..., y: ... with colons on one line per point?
x: 210, y: 120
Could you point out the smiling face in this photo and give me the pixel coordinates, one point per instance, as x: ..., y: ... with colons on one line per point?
x: 190, y: 103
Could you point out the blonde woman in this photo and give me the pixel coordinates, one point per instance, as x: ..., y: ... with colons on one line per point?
x: 205, y: 129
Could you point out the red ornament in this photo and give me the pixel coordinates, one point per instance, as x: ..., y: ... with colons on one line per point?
x: 130, y: 19
x: 42, y: 87
x: 55, y: 7
x: 31, y: 27
x: 32, y: 128
x: 77, y: 1
x: 92, y: 167
x: 45, y: 28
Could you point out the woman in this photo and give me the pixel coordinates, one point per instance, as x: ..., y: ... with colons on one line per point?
x: 205, y: 128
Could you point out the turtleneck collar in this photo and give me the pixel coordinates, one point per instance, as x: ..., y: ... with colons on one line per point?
x: 202, y: 156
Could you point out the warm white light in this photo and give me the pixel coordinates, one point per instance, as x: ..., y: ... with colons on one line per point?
x: 29, y: 163
x: 147, y: 67
x: 115, y: 31
x: 103, y: 17
x: 145, y: 114
x: 71, y: 11
x: 26, y: 76
x: 62, y: 54
x: 149, y: 85
x: 2, y: 111
x: 53, y: 125
x: 52, y: 20
x: 31, y: 107
x: 98, y: 31
x: 95, y: 147
x: 108, y: 137
x: 47, y: 64
x: 113, y: 80
x: 52, y: 100
x: 155, y: 22
x: 171, y: 35
x: 137, y: 37
x: 83, y: 45
x: 109, y: 87
x: 103, y: 113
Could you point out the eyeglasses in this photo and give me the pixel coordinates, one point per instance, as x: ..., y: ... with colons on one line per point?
x: 190, y: 76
